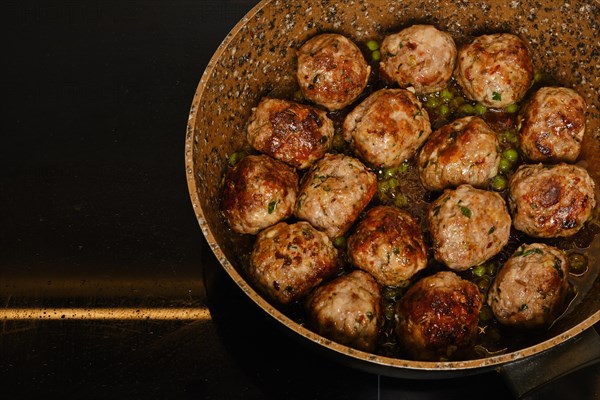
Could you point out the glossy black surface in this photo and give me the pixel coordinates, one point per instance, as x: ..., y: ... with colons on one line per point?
x: 94, y: 212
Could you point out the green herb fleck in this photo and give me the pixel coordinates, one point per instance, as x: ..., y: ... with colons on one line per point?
x: 496, y: 96
x: 523, y: 307
x: 492, y: 229
x: 272, y: 206
x: 532, y: 251
x: 465, y: 211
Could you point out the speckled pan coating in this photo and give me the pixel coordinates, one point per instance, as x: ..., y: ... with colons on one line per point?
x: 258, y: 58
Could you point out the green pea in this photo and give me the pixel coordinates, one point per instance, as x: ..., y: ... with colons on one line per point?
x: 480, y: 109
x: 491, y: 268
x: 376, y: 55
x: 511, y: 155
x: 505, y: 165
x: 511, y: 137
x: 512, y: 108
x: 400, y: 200
x: 446, y: 95
x: 373, y: 45
x: 389, y: 172
x: 402, y: 168
x: 444, y: 110
x: 466, y: 109
x: 483, y: 283
x: 479, y: 270
x: 384, y: 186
x: 485, y: 314
x: 499, y: 183
x: 391, y: 292
x: 579, y: 263
x: 340, y: 242
x: 457, y: 102
x: 432, y: 102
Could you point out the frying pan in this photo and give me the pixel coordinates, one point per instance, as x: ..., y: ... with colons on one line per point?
x: 258, y: 58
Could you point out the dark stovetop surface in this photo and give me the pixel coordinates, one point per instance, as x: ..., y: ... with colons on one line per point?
x: 95, y: 215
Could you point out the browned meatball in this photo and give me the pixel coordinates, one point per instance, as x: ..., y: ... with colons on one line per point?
x: 334, y: 192
x: 388, y: 243
x: 288, y: 260
x: 468, y: 226
x: 419, y: 56
x: 347, y: 310
x: 495, y: 70
x: 258, y: 192
x: 331, y: 71
x: 294, y: 133
x: 530, y: 289
x: 462, y: 152
x: 553, y: 125
x: 551, y: 200
x: 438, y: 317
x: 387, y: 127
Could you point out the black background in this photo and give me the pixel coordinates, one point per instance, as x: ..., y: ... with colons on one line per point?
x: 94, y: 212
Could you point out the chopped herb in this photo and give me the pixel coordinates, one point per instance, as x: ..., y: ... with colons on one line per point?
x: 369, y: 315
x: 532, y: 251
x: 523, y: 307
x: 492, y: 229
x: 436, y: 209
x: 465, y: 211
x: 496, y: 96
x: 558, y: 267
x: 272, y: 206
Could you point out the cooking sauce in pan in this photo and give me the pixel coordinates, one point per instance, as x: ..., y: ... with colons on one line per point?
x: 401, y: 187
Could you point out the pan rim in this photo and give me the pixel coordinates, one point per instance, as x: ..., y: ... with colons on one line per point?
x: 374, y: 359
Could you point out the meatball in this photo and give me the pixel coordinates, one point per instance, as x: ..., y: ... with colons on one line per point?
x: 387, y: 127
x: 438, y: 317
x: 551, y: 200
x: 462, y: 152
x: 334, y: 192
x: 258, y: 192
x: 530, y: 289
x: 332, y: 71
x: 419, y: 56
x: 553, y: 125
x: 388, y: 243
x: 294, y: 133
x: 347, y: 310
x: 468, y: 226
x: 288, y: 260
x: 495, y: 70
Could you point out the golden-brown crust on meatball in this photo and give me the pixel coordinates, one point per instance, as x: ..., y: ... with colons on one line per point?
x: 332, y: 71
x: 551, y: 200
x: 495, y: 69
x: 438, y: 317
x: 468, y: 226
x: 553, y: 125
x: 258, y: 191
x: 530, y: 288
x: 464, y: 151
x: 388, y: 243
x: 347, y: 310
x: 288, y: 260
x: 387, y: 127
x: 334, y: 192
x: 420, y: 56
x: 294, y: 133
